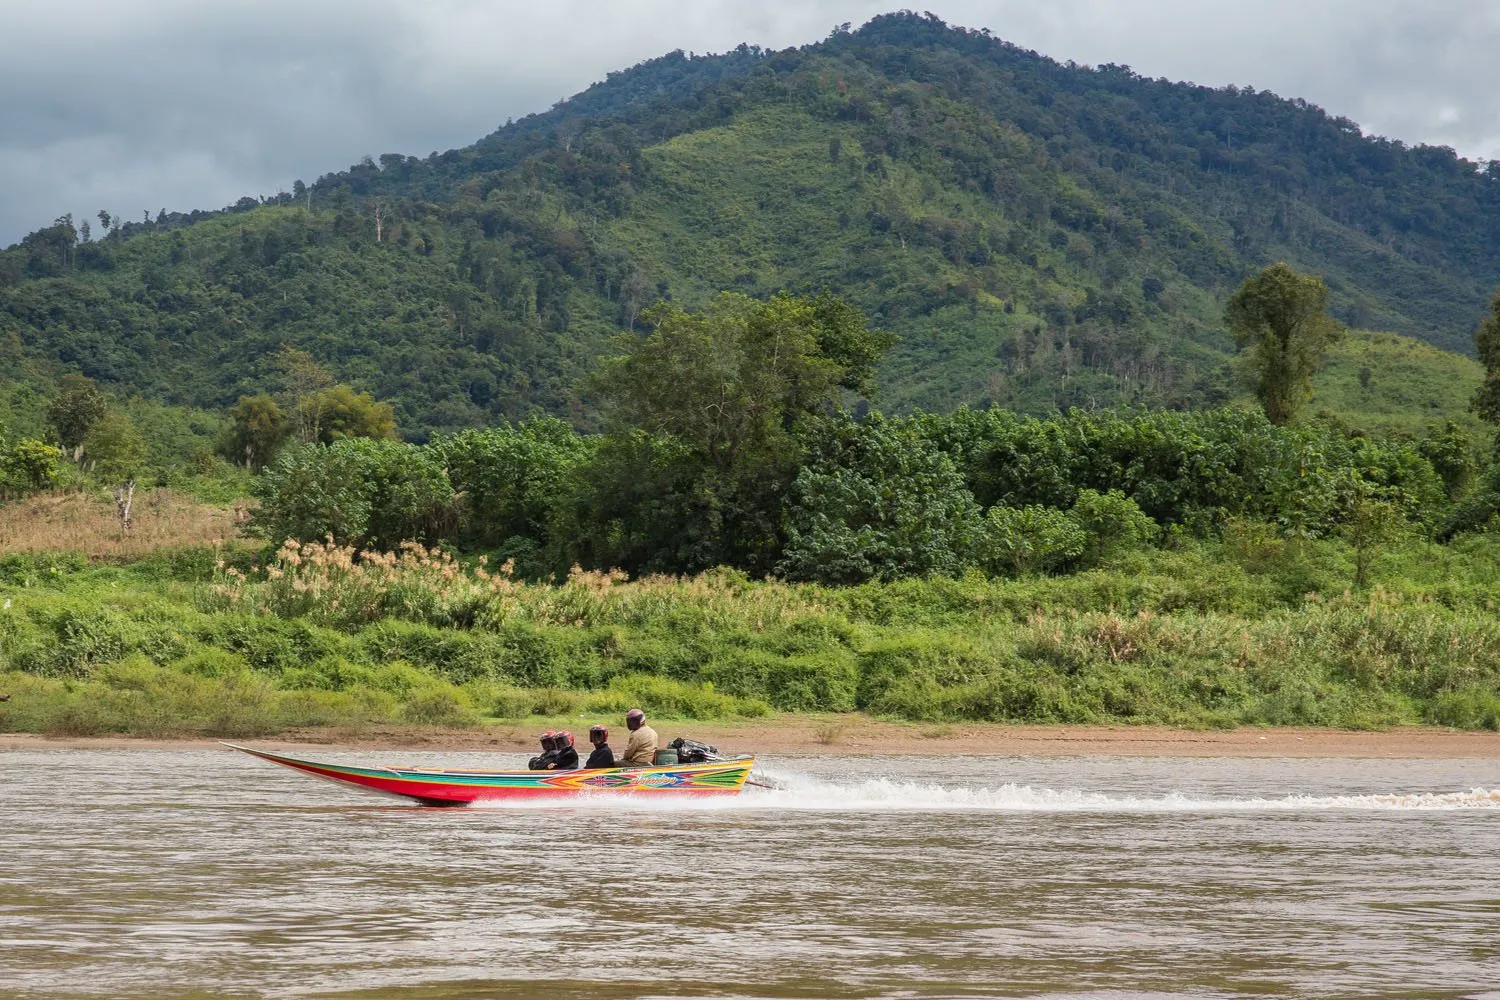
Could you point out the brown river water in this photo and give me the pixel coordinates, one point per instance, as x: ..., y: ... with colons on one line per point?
x: 155, y: 873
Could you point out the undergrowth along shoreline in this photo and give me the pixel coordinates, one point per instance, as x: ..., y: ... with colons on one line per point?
x: 1211, y: 635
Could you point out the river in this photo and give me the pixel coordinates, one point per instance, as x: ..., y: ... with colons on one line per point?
x: 191, y: 873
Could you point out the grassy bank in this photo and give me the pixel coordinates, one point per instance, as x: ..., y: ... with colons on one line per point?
x: 1244, y: 631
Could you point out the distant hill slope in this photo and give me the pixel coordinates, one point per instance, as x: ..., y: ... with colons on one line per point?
x: 1039, y: 235
x: 1382, y: 381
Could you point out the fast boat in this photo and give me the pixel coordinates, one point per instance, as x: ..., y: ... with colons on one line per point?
x: 432, y: 787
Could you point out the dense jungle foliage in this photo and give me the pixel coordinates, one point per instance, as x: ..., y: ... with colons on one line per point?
x: 1038, y: 235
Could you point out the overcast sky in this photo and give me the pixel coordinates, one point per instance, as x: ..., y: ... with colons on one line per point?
x: 183, y: 104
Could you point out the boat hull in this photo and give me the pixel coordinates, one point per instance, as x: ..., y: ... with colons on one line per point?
x: 443, y: 787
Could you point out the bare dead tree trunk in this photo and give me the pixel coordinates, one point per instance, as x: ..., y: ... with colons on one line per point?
x: 379, y: 221
x: 124, y: 497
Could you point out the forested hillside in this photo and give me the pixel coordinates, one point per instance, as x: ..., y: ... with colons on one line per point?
x: 1038, y: 235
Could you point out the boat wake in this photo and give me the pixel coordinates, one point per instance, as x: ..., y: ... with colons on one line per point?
x: 791, y: 791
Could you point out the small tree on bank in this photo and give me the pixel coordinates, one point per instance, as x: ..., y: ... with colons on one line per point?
x: 256, y: 431
x: 1372, y: 521
x: 1487, y: 342
x: 1281, y: 317
x: 73, y: 412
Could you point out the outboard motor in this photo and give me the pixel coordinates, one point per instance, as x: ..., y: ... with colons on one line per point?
x: 693, y: 752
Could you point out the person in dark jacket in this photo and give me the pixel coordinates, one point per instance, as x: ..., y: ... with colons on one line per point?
x: 602, y: 756
x: 543, y: 761
x: 566, y: 758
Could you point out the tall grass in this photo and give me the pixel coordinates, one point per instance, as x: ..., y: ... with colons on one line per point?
x: 88, y: 524
x: 1210, y: 634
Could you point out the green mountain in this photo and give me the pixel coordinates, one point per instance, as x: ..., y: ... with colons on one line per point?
x: 1038, y: 234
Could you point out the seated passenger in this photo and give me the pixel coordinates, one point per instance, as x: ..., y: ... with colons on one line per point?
x: 602, y: 756
x: 543, y: 761
x: 640, y: 749
x: 565, y: 758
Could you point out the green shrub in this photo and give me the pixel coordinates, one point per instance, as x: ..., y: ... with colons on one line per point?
x: 512, y: 478
x: 211, y: 663
x: 439, y: 706
x: 877, y: 501
x: 30, y: 569
x: 81, y: 640
x: 669, y: 699
x: 1111, y: 523
x: 27, y: 466
x: 506, y: 702
x: 1471, y: 708
x: 359, y: 491
x: 918, y: 657
x: 1031, y: 539
x: 813, y: 682
x: 268, y: 644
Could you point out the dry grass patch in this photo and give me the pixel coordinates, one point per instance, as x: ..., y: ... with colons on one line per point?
x: 79, y: 522
x: 829, y: 733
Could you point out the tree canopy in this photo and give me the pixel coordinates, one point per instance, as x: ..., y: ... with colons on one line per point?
x: 1487, y: 343
x: 1281, y: 317
x: 738, y: 376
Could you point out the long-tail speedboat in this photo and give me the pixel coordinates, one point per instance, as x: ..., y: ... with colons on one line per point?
x: 455, y: 788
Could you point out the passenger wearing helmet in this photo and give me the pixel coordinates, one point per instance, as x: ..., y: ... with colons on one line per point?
x: 565, y: 757
x: 543, y: 761
x: 602, y: 756
x: 640, y: 749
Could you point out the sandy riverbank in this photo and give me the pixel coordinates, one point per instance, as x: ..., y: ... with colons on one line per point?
x: 854, y: 735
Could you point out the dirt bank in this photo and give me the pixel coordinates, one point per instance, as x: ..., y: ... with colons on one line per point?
x: 855, y: 735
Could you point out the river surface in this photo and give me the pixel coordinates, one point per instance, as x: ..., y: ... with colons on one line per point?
x: 144, y: 873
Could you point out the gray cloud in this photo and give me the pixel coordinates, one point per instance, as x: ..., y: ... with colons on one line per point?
x: 181, y: 104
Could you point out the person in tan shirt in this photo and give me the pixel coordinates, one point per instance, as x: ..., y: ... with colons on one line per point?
x: 640, y: 748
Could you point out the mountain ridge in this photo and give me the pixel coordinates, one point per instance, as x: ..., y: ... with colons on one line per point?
x: 1039, y: 234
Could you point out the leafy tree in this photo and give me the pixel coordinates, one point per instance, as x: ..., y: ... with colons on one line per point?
x: 877, y: 501
x: 411, y: 497
x: 76, y: 408
x: 643, y: 503
x: 338, y: 412
x: 513, y: 479
x: 1487, y: 342
x: 1111, y: 523
x: 1281, y: 317
x: 731, y: 384
x: 1372, y: 520
x: 1449, y: 451
x: 738, y: 376
x: 310, y: 492
x: 361, y: 492
x: 301, y: 379
x: 1477, y: 510
x: 29, y: 465
x: 1023, y: 540
x: 115, y: 448
x: 257, y: 430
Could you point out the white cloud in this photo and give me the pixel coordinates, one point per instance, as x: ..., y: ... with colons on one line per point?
x: 187, y: 105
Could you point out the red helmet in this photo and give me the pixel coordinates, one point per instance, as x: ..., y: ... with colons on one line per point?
x: 564, y: 739
x: 549, y: 739
x: 598, y: 734
x: 634, y: 719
